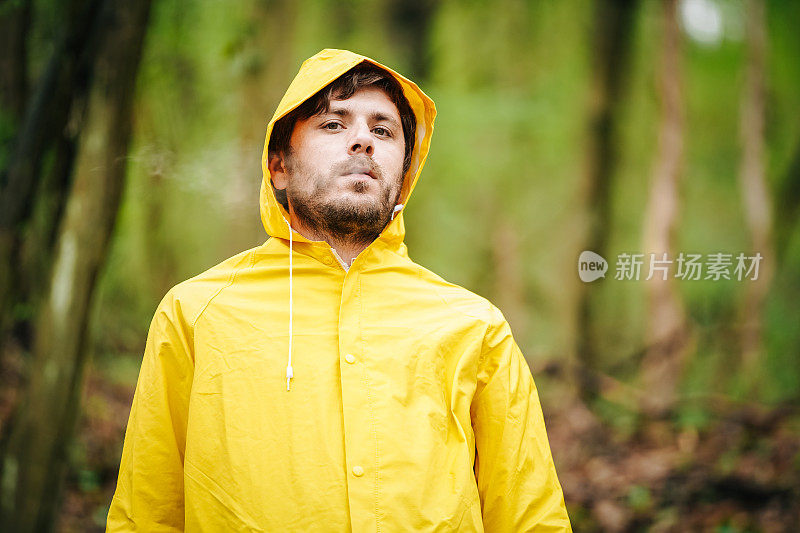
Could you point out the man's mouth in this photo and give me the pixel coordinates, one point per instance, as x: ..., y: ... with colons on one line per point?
x: 361, y: 172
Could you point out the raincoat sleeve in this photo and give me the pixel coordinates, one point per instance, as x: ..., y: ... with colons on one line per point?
x: 149, y: 494
x: 516, y: 478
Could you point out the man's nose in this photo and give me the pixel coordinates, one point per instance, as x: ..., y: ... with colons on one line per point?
x: 362, y: 142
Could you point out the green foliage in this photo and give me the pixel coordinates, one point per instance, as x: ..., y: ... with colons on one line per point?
x: 639, y: 498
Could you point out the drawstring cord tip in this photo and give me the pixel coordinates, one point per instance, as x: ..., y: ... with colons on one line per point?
x: 396, y: 209
x: 289, y: 376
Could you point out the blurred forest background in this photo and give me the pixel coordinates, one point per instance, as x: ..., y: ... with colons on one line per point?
x: 131, y: 139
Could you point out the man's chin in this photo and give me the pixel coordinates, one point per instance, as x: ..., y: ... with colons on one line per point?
x: 357, y: 202
x: 357, y: 213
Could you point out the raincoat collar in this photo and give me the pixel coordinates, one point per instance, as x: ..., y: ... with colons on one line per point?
x: 316, y: 73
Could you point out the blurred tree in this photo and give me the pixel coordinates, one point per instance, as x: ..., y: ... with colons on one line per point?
x: 42, y: 134
x: 613, y: 29
x: 667, y: 330
x: 15, y: 18
x: 783, y: 132
x: 754, y: 188
x: 787, y: 205
x: 266, y: 51
x: 34, y: 461
x: 411, y: 24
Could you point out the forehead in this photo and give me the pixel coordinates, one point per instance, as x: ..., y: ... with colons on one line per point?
x: 366, y: 99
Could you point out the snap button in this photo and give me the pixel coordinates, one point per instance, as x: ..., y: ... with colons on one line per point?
x: 327, y: 260
x: 358, y: 471
x: 349, y: 358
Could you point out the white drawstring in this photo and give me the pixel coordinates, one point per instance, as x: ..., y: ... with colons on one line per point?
x: 289, y: 373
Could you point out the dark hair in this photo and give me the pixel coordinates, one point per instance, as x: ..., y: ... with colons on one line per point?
x: 361, y: 76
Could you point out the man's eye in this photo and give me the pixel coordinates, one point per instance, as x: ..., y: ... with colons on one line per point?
x: 331, y: 126
x: 382, y: 131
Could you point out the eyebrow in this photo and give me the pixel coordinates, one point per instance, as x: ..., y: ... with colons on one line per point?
x: 375, y: 116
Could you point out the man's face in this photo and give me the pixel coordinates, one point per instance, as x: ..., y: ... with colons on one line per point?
x: 345, y: 170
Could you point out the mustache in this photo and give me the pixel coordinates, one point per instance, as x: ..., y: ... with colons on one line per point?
x: 358, y: 165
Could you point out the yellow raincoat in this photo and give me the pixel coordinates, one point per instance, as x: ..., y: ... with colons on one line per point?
x: 411, y: 407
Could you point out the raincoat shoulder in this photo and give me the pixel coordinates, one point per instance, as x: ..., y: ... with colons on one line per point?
x: 517, y: 481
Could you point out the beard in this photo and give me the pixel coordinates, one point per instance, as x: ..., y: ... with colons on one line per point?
x: 354, y: 219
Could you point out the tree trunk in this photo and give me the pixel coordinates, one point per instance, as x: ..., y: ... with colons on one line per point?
x: 509, y: 280
x: 755, y: 192
x: 614, y: 26
x: 411, y: 24
x: 787, y: 207
x: 49, y: 108
x: 667, y: 335
x: 36, y: 459
x: 15, y: 21
x: 42, y: 124
x: 271, y: 51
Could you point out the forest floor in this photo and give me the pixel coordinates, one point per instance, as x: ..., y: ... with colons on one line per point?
x: 739, y: 473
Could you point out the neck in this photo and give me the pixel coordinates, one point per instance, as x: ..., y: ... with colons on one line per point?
x: 347, y: 251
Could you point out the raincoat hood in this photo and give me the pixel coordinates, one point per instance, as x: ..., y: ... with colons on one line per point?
x: 316, y: 73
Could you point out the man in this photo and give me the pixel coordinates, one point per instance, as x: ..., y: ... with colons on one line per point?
x: 323, y: 381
